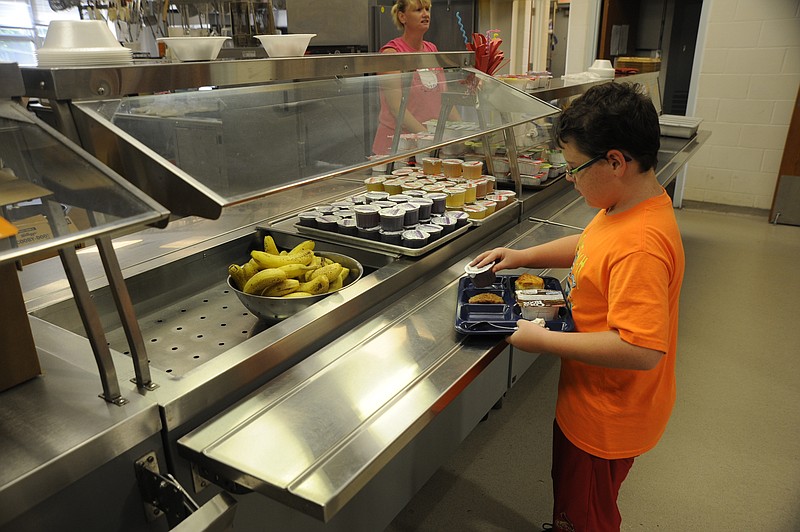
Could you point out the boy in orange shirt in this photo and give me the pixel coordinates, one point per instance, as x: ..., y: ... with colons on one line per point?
x: 617, y: 383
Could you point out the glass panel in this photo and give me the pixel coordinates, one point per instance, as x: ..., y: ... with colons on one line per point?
x: 245, y: 142
x: 54, y: 197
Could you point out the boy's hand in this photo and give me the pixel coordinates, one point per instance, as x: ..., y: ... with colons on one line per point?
x: 529, y: 336
x: 503, y: 258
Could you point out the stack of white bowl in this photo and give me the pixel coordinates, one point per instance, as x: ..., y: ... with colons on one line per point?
x: 81, y: 43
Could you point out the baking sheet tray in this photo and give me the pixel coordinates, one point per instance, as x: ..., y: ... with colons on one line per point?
x: 482, y: 318
x: 375, y: 244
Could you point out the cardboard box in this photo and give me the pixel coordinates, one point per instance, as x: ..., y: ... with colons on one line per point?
x: 19, y: 361
x: 36, y: 229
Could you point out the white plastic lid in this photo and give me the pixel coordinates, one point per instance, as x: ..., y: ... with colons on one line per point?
x: 473, y: 271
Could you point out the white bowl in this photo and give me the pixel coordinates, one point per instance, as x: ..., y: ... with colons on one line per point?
x: 194, y: 48
x: 291, y: 45
x: 602, y: 68
x: 71, y: 34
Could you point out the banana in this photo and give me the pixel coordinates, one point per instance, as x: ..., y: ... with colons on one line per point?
x: 266, y: 260
x: 250, y: 268
x: 297, y: 295
x: 331, y: 271
x: 306, y: 244
x: 269, y: 245
x: 339, y: 282
x: 293, y: 271
x: 237, y: 275
x: 287, y: 286
x: 263, y: 280
x: 316, y: 286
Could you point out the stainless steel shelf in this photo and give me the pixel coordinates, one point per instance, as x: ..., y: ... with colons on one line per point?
x: 144, y: 77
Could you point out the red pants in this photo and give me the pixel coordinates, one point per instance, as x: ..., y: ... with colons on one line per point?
x: 585, y: 488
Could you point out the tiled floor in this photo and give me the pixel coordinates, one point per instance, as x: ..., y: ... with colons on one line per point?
x: 730, y: 458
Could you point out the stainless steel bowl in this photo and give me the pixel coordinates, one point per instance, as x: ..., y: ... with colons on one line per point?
x: 279, y: 308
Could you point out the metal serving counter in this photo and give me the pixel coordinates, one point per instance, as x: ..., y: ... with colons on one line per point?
x: 329, y: 420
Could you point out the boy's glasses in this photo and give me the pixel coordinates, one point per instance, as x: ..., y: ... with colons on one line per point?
x: 572, y: 171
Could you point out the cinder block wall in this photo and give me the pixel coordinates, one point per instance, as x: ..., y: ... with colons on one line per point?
x: 748, y: 83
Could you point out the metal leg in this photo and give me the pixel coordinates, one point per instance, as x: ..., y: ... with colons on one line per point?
x: 511, y: 153
x: 126, y: 312
x: 92, y: 325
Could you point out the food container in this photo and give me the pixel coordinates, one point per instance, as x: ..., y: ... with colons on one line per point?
x: 491, y: 206
x: 501, y: 165
x: 528, y: 166
x: 425, y: 206
x: 391, y: 219
x: 376, y: 196
x: 194, y: 48
x: 475, y: 212
x: 470, y: 192
x: 308, y: 218
x: 279, y: 308
x: 411, y: 214
x: 292, y: 45
x: 542, y: 303
x: 393, y: 186
x: 439, y: 202
x: 399, y: 198
x: 481, y: 187
x: 375, y: 183
x: 414, y: 238
x: 347, y: 226
x: 481, y: 277
x: 499, y: 200
x: 434, y: 231
x: 679, y: 126
x: 602, y: 68
x: 431, y: 165
x: 490, y: 183
x: 447, y: 223
x: 367, y: 216
x: 452, y: 167
x: 472, y: 169
x: 369, y: 233
x: 455, y: 197
x: 328, y: 222
x: 461, y: 217
x: 394, y: 238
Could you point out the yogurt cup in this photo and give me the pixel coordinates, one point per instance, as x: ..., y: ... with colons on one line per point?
x: 452, y: 167
x: 455, y: 197
x: 431, y: 165
x: 375, y: 183
x: 391, y: 219
x: 414, y: 238
x: 472, y: 169
x: 482, y: 277
x: 367, y: 216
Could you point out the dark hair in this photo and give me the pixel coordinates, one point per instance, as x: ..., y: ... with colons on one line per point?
x: 612, y: 116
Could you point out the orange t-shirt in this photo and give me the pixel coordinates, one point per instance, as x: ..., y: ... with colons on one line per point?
x: 626, y: 277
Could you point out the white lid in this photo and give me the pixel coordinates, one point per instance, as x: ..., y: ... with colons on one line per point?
x: 472, y: 270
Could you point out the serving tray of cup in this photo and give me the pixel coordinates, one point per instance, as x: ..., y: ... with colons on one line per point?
x: 496, y: 308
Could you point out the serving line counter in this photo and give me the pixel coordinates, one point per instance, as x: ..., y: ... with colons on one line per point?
x: 328, y: 420
x: 203, y: 351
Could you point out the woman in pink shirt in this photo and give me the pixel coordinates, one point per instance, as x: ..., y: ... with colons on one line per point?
x: 413, y: 18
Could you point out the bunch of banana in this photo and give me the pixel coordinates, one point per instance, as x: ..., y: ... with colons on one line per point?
x: 288, y: 273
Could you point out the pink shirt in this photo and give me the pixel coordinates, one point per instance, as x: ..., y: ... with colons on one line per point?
x: 424, y: 103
